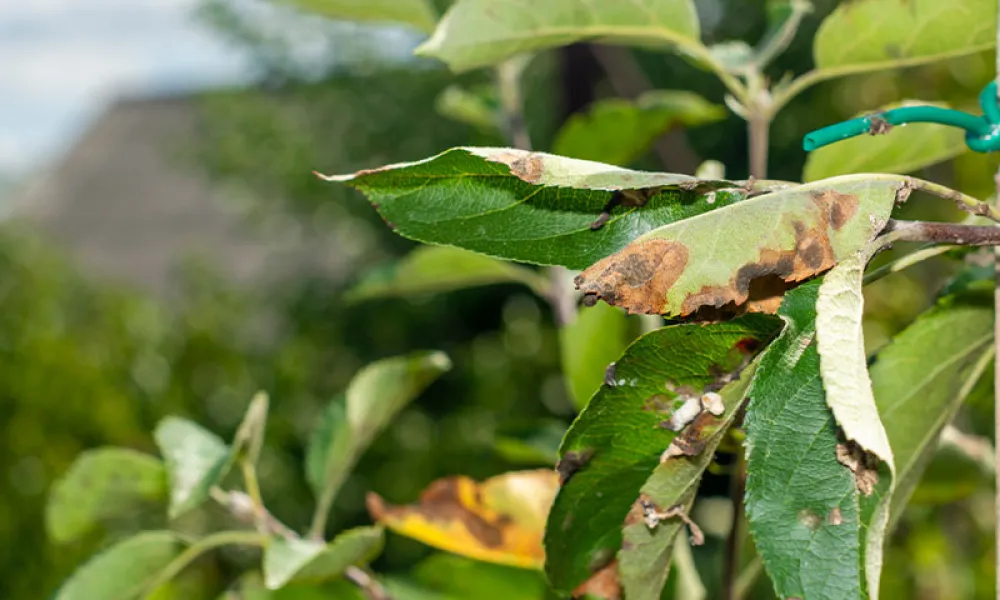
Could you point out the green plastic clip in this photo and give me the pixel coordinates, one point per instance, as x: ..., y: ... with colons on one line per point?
x: 982, y: 133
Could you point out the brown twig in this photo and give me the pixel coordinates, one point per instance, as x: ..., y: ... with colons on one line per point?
x: 941, y: 233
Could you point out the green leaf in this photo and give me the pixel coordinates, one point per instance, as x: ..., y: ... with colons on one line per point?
x: 535, y: 445
x: 918, y: 391
x: 250, y: 434
x: 618, y: 131
x: 844, y: 371
x: 531, y: 207
x: 375, y: 395
x: 902, y: 150
x: 476, y: 107
x: 435, y: 270
x: 644, y: 560
x: 949, y: 476
x: 479, y: 33
x: 805, y: 511
x: 745, y: 254
x: 418, y: 13
x: 616, y: 442
x: 196, y: 459
x: 460, y: 577
x: 124, y: 570
x: 296, y: 560
x: 865, y: 35
x: 589, y: 345
x: 102, y: 486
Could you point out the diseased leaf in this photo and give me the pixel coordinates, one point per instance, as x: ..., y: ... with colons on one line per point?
x: 124, y: 570
x: 844, y: 372
x: 287, y: 561
x: 589, y: 345
x: 806, y: 511
x: 843, y: 364
x: 196, y: 459
x: 919, y: 391
x: 865, y: 35
x: 349, y: 424
x: 644, y: 560
x: 617, y: 441
x: 743, y: 257
x: 479, y: 33
x: 500, y: 520
x: 618, y: 131
x: 435, y: 270
x: 530, y: 206
x: 101, y: 486
x: 418, y: 13
x: 901, y: 150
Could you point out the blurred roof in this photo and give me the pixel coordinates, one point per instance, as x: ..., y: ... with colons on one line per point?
x: 126, y: 206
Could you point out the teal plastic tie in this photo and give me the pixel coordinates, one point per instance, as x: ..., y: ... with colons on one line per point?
x: 982, y: 133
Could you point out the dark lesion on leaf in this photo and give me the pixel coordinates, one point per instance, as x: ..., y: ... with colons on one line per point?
x: 626, y: 198
x: 571, y: 462
x: 638, y: 277
x: 441, y: 502
x: 863, y: 464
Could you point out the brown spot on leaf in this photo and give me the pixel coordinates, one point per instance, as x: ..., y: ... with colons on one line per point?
x: 840, y: 208
x: 637, y: 278
x: 835, y: 517
x: 442, y: 503
x: 571, y: 462
x: 526, y: 166
x: 809, y: 518
x: 692, y: 440
x: 863, y: 464
x: 604, y: 583
x: 498, y: 520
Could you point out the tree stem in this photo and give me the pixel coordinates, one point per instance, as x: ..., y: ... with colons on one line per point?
x: 512, y: 102
x: 942, y: 233
x: 996, y: 357
x: 759, y: 129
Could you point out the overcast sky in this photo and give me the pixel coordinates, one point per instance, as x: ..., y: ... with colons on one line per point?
x: 61, y: 60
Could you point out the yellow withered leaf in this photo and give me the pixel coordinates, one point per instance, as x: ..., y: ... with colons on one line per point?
x: 500, y: 520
